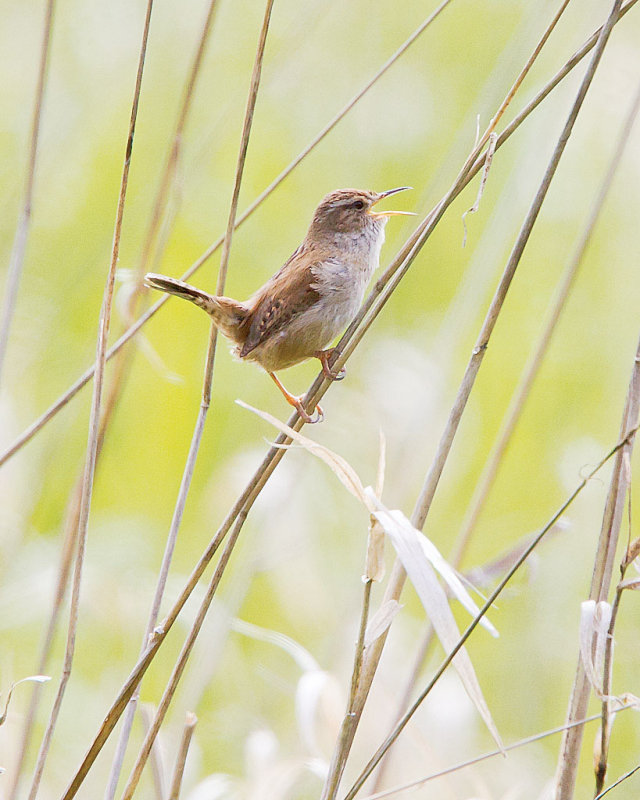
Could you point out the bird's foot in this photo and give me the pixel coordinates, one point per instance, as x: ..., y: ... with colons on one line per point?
x: 324, y: 356
x: 318, y: 414
x: 296, y: 402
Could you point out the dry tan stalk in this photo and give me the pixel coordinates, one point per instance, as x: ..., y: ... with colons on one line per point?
x: 21, y: 237
x: 189, y: 726
x: 620, y: 780
x: 521, y: 393
x: 72, y: 519
x: 94, y: 422
x: 396, y: 583
x: 149, y: 246
x: 206, y: 392
x: 601, y: 580
x: 157, y: 767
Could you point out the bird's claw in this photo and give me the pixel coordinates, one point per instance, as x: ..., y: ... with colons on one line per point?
x: 334, y: 376
x: 318, y: 414
x: 324, y: 356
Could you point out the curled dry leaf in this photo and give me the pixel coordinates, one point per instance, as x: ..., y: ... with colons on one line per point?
x: 633, y: 551
x: 594, y: 635
x: 417, y: 554
x: 630, y: 583
x: 32, y: 679
x: 374, y: 566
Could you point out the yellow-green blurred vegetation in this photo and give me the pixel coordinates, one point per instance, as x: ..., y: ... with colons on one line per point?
x: 299, y: 560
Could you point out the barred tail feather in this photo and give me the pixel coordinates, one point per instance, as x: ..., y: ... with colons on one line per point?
x: 228, y: 314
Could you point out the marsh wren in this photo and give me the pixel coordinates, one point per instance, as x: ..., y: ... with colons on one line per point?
x: 311, y: 299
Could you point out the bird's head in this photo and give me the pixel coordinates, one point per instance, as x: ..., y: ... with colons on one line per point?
x: 351, y: 211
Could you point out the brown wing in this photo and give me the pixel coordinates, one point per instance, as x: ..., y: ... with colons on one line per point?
x: 282, y: 298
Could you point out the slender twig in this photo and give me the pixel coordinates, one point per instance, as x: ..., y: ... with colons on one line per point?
x: 246, y: 499
x: 397, y: 730
x: 521, y: 394
x: 150, y: 244
x: 344, y: 737
x: 605, y: 714
x: 94, y: 421
x: 425, y: 499
x: 237, y: 512
x: 603, y: 568
x: 181, y: 663
x: 536, y: 737
x: 72, y: 519
x: 207, y: 383
x: 157, y: 767
x: 607, y: 670
x: 18, y: 250
x: 620, y: 780
x: 600, y: 583
x: 187, y: 732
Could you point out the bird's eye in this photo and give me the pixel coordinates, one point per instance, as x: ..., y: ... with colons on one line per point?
x: 359, y: 204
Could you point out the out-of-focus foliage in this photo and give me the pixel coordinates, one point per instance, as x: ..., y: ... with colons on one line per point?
x: 298, y: 564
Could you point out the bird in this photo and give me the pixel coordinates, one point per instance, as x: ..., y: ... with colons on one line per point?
x: 312, y: 297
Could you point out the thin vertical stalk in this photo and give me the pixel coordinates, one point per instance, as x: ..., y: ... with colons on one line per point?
x: 521, y: 394
x: 208, y: 376
x: 72, y: 518
x: 423, y: 504
x: 159, y: 206
x: 600, y: 583
x: 19, y: 248
x: 189, y: 726
x: 94, y: 421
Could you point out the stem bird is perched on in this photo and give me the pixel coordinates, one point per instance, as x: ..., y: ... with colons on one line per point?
x: 312, y: 298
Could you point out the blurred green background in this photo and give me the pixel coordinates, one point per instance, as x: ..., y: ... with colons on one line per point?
x: 298, y: 564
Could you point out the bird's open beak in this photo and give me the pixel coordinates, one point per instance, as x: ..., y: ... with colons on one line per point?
x: 381, y: 196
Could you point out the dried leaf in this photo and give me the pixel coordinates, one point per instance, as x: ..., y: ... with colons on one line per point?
x: 630, y: 583
x: 341, y: 468
x: 380, y: 621
x: 396, y: 523
x: 32, y: 679
x: 594, y: 636
x: 633, y: 551
x: 405, y: 540
x: 414, y: 555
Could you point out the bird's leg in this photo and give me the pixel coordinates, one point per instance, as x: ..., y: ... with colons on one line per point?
x: 324, y: 356
x: 296, y: 402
